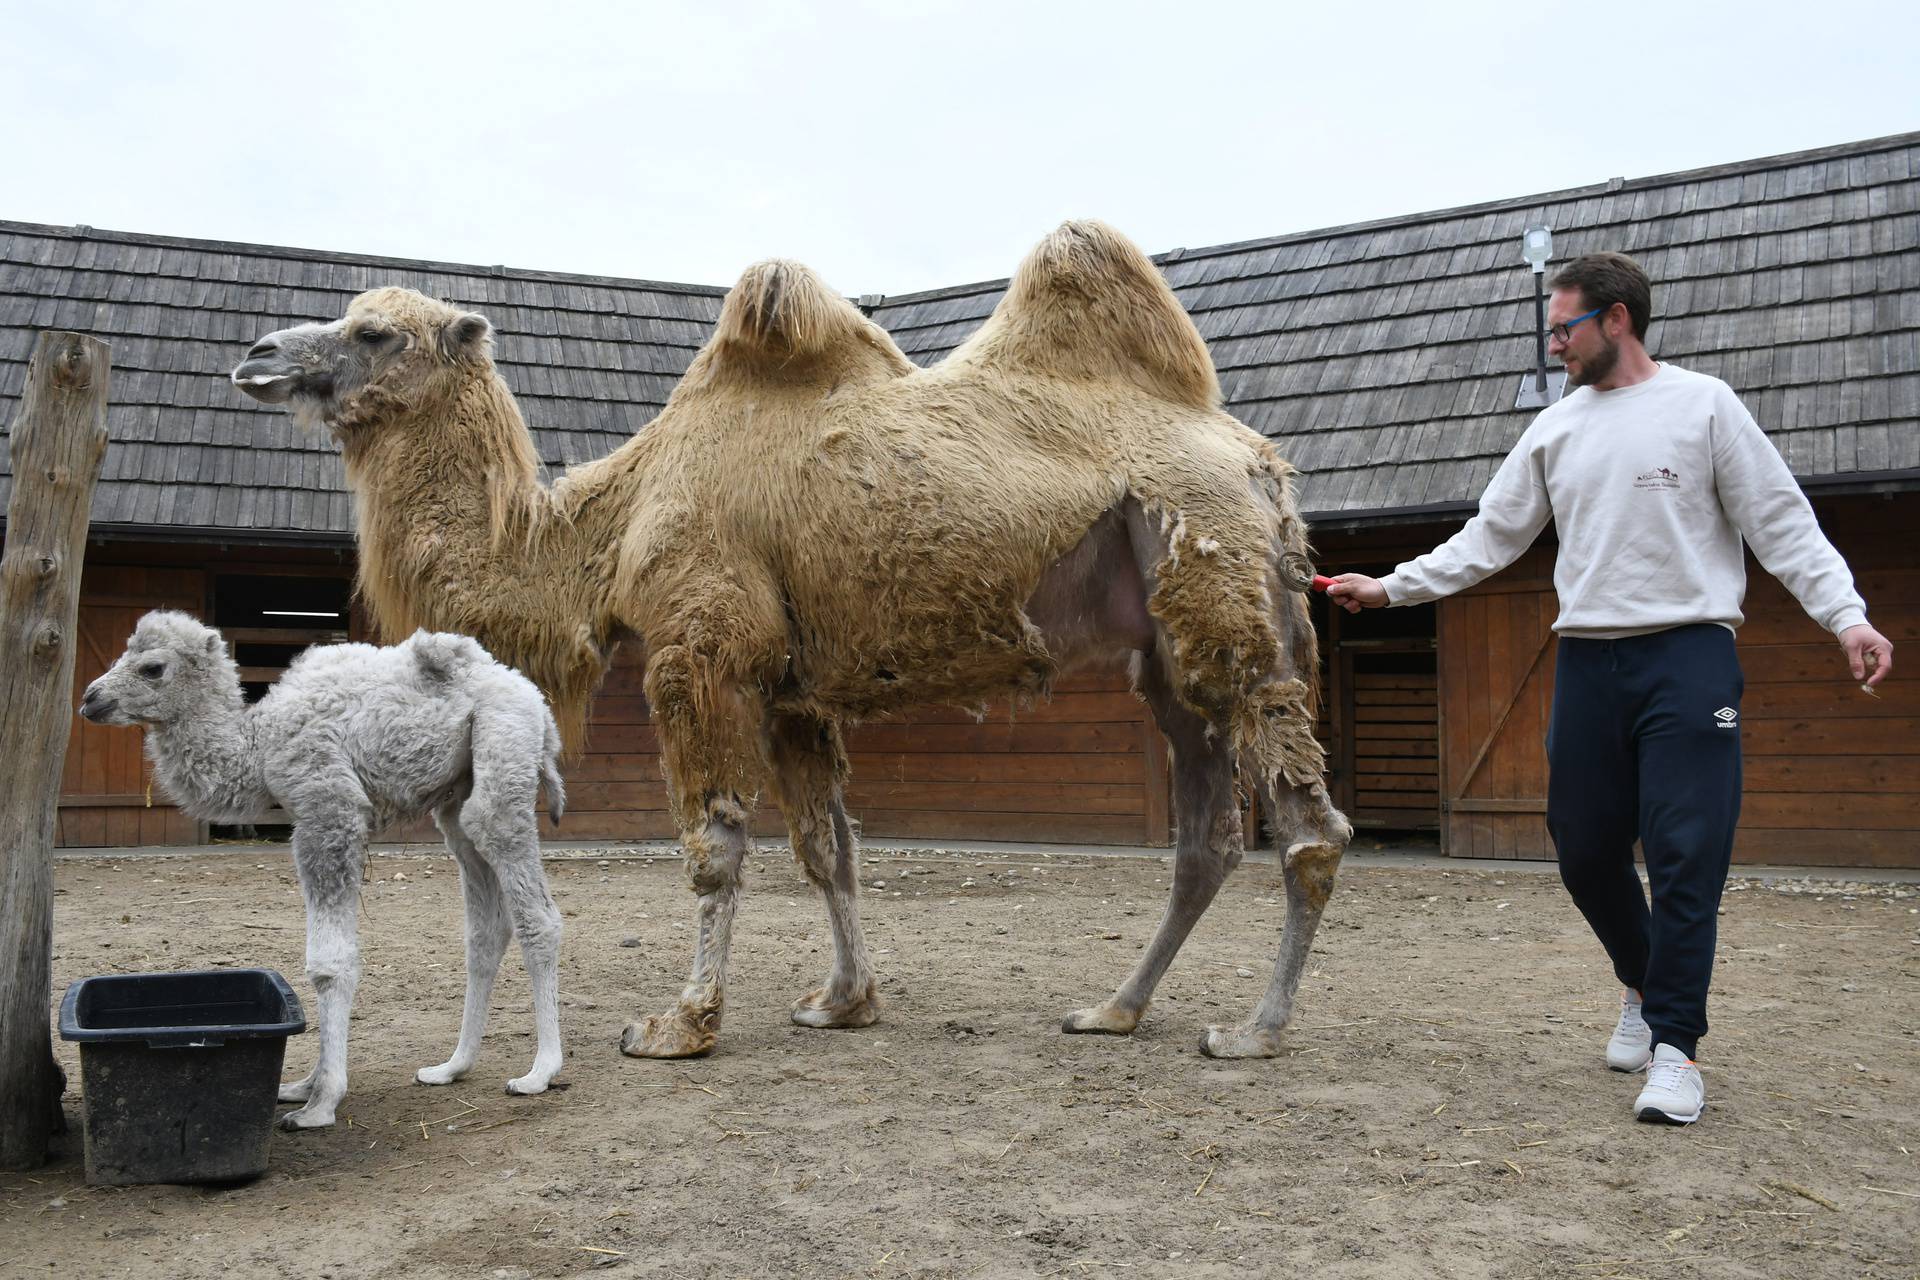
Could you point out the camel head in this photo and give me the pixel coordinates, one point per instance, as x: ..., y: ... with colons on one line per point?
x: 174, y: 668
x: 393, y: 349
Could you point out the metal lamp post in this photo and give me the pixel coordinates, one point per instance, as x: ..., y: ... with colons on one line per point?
x: 1538, y: 389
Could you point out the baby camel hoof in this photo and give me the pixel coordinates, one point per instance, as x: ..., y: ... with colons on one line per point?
x: 669, y: 1036
x: 1241, y: 1042
x: 442, y: 1074
x: 814, y: 1010
x: 527, y: 1086
x: 306, y: 1118
x: 1101, y: 1020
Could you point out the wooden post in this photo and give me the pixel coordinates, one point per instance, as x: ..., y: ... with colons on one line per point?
x: 59, y: 436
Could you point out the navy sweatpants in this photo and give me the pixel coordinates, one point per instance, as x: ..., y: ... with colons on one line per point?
x: 1645, y: 743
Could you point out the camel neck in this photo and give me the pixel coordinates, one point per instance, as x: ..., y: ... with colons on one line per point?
x: 457, y: 534
x: 210, y: 763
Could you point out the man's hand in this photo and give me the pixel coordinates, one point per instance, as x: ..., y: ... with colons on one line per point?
x: 1356, y: 591
x: 1869, y: 654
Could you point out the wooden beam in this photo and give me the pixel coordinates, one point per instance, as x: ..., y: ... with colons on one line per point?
x: 1473, y: 805
x: 59, y: 437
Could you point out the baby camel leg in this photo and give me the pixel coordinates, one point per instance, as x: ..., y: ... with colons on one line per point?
x: 1208, y: 847
x: 1314, y: 835
x: 536, y: 922
x: 809, y: 768
x: 488, y: 929
x: 327, y: 854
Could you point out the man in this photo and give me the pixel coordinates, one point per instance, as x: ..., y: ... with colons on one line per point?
x: 1652, y: 476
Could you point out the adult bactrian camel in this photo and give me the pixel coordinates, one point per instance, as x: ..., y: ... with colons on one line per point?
x: 814, y: 531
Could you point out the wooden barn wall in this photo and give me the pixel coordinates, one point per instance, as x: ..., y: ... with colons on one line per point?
x: 1832, y: 775
x: 1088, y: 767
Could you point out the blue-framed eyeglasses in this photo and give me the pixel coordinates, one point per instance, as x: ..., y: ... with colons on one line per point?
x: 1563, y: 332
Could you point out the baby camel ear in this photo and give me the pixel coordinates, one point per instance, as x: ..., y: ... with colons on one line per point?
x: 213, y: 643
x: 467, y: 336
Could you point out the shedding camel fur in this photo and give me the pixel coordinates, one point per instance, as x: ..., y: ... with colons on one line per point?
x: 814, y: 531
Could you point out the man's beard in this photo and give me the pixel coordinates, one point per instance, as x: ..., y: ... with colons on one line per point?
x: 1595, y: 368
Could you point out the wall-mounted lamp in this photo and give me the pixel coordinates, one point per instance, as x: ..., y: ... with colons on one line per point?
x: 1539, y: 388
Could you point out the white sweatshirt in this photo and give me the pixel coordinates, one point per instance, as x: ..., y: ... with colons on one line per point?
x: 1651, y: 487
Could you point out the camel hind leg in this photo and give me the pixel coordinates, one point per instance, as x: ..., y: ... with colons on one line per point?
x: 488, y: 929
x: 1209, y: 846
x: 1273, y: 733
x: 809, y: 769
x: 1312, y: 835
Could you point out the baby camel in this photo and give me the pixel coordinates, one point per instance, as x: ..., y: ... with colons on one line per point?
x: 352, y: 738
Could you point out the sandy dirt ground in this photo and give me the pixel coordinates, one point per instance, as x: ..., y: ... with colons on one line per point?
x: 1444, y: 1110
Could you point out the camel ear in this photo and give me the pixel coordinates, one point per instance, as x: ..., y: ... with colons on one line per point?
x: 213, y: 643
x: 466, y: 337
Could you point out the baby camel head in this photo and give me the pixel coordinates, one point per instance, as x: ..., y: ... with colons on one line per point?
x: 394, y: 347
x: 174, y: 667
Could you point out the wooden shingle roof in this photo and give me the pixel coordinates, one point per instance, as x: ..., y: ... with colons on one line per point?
x: 591, y: 359
x: 1384, y: 358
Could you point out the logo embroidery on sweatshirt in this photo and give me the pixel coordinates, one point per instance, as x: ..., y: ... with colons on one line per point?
x: 1658, y: 478
x: 1727, y: 716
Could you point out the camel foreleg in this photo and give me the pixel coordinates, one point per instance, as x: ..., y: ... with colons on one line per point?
x: 716, y: 852
x: 713, y: 755
x: 809, y: 770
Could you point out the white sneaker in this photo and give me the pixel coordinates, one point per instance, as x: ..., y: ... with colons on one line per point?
x: 1674, y: 1093
x: 1632, y: 1043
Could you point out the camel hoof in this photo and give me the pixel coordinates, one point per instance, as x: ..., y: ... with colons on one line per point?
x: 528, y: 1085
x: 1101, y: 1020
x: 442, y: 1074
x: 306, y: 1118
x: 1241, y: 1042
x: 814, y: 1010
x: 667, y: 1036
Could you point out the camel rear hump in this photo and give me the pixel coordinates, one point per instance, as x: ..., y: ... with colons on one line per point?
x: 1088, y: 304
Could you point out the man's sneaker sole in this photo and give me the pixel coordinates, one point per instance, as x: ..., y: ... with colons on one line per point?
x: 1654, y: 1115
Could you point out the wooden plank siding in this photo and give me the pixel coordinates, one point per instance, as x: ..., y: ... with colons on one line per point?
x: 1495, y: 692
x: 105, y: 798
x: 1832, y: 776
x: 1396, y: 740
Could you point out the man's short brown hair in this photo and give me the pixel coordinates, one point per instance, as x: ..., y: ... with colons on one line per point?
x: 1606, y: 278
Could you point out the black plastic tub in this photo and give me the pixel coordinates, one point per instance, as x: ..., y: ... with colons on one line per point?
x: 179, y: 1072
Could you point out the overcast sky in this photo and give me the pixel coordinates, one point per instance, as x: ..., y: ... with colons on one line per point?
x: 897, y: 145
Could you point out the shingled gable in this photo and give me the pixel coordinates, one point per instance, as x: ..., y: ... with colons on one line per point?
x: 1383, y: 357
x: 591, y: 359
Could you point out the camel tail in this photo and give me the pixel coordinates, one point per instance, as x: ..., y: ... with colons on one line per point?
x: 1087, y: 303
x: 550, y: 780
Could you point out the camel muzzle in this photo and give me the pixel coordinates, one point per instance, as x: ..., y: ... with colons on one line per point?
x: 268, y: 373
